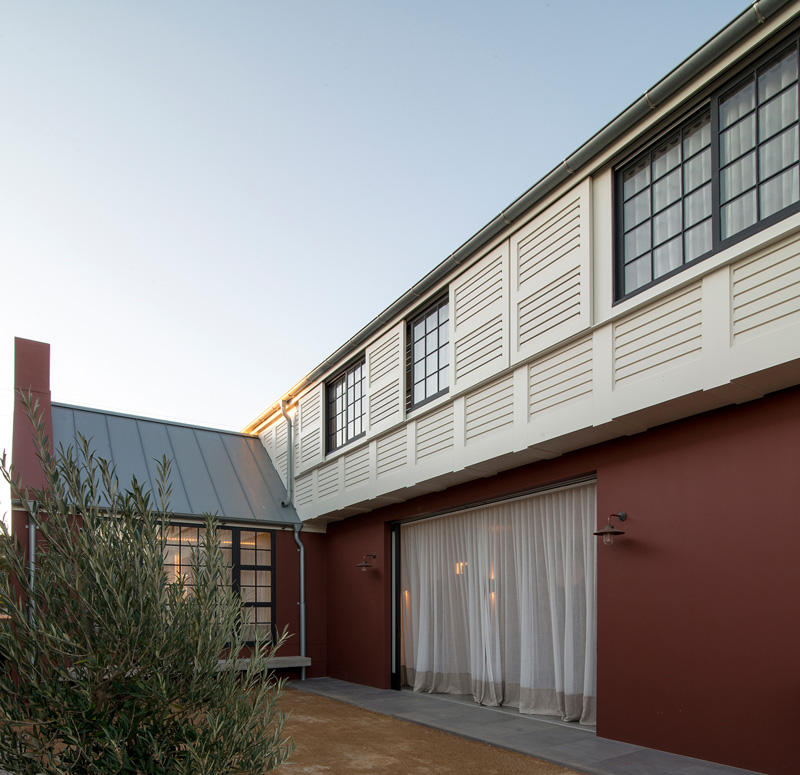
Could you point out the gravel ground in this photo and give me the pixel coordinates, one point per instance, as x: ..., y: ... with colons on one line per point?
x: 334, y: 738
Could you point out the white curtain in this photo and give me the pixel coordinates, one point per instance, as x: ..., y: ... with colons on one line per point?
x: 499, y: 602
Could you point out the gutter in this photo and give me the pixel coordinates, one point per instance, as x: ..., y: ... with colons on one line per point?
x: 735, y: 31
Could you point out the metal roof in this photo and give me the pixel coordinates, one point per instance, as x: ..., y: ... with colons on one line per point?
x: 213, y: 471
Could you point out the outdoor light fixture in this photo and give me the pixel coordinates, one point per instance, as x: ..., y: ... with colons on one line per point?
x: 609, y: 531
x: 364, y: 564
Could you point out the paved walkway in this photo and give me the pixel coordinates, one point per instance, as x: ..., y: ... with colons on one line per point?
x: 550, y: 739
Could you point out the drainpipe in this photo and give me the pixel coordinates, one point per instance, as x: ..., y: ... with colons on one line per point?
x: 289, y: 455
x: 302, y: 603
x: 33, y: 509
x: 297, y: 529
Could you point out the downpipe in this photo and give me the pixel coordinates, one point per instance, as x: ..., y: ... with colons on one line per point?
x: 33, y: 512
x: 302, y: 603
x: 297, y: 528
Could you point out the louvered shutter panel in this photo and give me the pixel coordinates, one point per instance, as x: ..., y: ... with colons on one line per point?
x: 550, y: 291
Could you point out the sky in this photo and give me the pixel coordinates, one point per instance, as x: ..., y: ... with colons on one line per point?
x: 200, y: 201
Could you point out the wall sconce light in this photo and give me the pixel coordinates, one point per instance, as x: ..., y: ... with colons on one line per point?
x: 609, y: 531
x: 364, y: 564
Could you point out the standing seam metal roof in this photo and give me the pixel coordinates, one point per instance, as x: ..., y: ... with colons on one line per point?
x: 213, y: 471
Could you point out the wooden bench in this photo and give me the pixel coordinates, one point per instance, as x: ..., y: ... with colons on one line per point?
x: 274, y: 663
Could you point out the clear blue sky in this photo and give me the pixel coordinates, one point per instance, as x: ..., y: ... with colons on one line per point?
x: 200, y: 201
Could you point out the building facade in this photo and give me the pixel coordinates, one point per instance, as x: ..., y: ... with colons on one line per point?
x: 623, y: 339
x: 629, y: 326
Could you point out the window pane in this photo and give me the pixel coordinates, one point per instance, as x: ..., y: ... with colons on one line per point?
x: 636, y: 178
x: 432, y: 385
x: 778, y: 153
x: 667, y: 190
x: 697, y: 206
x: 777, y: 114
x: 262, y: 615
x: 737, y: 140
x: 637, y: 273
x: 637, y: 241
x: 697, y: 241
x: 432, y: 363
x: 432, y: 341
x: 779, y: 192
x: 777, y: 75
x: 667, y: 224
x: 738, y: 215
x: 419, y: 392
x: 667, y: 157
x: 697, y: 136
x: 186, y: 556
x: 637, y: 209
x: 737, y: 178
x: 247, y: 554
x: 419, y: 330
x: 443, y: 314
x: 444, y: 335
x: 668, y: 257
x: 737, y: 103
x: 697, y: 171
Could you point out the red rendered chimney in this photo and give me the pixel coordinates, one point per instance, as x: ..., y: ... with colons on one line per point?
x: 31, y: 373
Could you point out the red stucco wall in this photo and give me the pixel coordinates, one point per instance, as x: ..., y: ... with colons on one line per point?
x: 698, y: 632
x: 359, y: 611
x: 287, y: 596
x: 698, y: 628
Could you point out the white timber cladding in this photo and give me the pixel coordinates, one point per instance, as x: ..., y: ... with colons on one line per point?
x: 435, y: 432
x: 356, y: 468
x: 561, y: 378
x: 766, y: 291
x: 480, y: 319
x: 328, y: 480
x: 694, y: 344
x: 310, y: 429
x: 385, y: 377
x: 665, y: 334
x: 304, y: 490
x: 392, y: 452
x: 550, y: 275
x: 489, y: 409
x: 280, y: 449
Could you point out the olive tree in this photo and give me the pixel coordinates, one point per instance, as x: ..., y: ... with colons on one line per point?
x: 106, y: 666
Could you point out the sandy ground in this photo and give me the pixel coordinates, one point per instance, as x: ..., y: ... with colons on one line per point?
x: 334, y: 738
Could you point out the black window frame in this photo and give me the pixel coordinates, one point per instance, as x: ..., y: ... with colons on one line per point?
x: 237, y: 566
x: 353, y: 428
x: 442, y: 345
x: 752, y: 70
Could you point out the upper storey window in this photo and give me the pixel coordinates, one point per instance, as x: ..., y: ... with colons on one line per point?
x: 428, y: 353
x: 345, y: 415
x: 726, y: 172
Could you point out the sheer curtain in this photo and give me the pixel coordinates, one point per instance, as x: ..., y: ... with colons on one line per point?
x: 499, y: 602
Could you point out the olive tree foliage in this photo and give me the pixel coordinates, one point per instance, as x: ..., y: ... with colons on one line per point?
x: 106, y: 666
